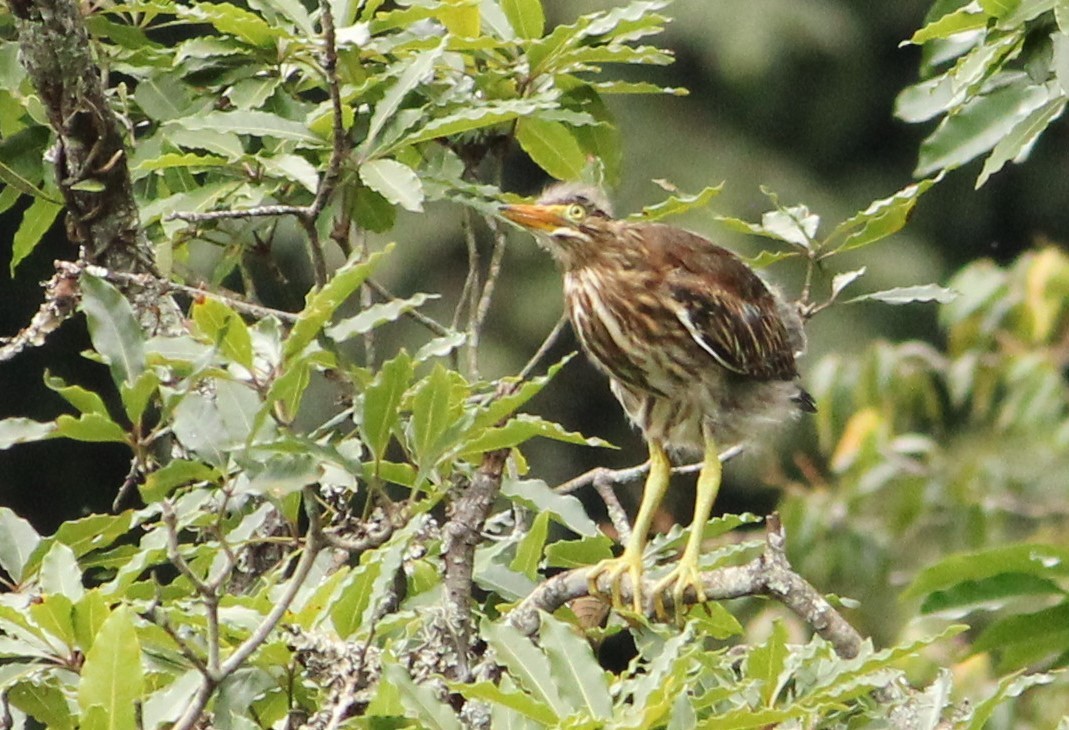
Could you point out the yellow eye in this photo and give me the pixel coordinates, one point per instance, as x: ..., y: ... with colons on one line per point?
x: 575, y: 212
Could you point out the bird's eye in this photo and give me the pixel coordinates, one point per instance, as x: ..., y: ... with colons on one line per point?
x: 575, y: 212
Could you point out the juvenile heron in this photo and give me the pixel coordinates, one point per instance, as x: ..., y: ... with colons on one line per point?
x: 699, y: 351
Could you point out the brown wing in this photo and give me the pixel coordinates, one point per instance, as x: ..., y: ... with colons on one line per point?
x: 726, y: 307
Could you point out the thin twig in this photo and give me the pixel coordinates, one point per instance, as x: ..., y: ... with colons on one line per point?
x: 478, y: 318
x: 616, y: 512
x: 433, y: 325
x: 547, y: 344
x: 633, y: 473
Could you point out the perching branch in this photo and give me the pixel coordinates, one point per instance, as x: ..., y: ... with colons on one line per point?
x: 768, y: 575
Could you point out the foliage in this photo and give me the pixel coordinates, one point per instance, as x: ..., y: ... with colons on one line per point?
x: 998, y: 74
x: 287, y: 562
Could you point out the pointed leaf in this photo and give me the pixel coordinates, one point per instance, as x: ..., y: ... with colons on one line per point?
x: 395, y: 181
x: 36, y: 222
x: 114, y: 329
x: 321, y: 304
x: 910, y: 294
x: 223, y: 326
x: 254, y: 123
x: 536, y: 495
x: 525, y: 16
x: 1018, y: 142
x: 529, y: 551
x: 418, y: 69
x: 60, y: 573
x: 577, y: 672
x: 420, y: 700
x: 111, y: 678
x: 526, y: 664
x: 18, y: 540
x: 381, y: 402
x: 91, y: 428
x: 14, y: 431
x: 767, y: 663
x: 677, y: 204
x: 375, y: 316
x: 552, y: 146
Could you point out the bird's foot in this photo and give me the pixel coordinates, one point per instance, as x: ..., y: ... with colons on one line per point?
x: 686, y: 575
x: 615, y: 569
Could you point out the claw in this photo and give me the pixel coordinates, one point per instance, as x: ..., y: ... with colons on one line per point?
x: 684, y: 576
x: 616, y: 568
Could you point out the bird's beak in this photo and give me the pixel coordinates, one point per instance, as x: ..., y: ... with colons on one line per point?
x: 546, y: 218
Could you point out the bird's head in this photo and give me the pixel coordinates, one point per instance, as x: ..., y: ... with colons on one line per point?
x: 569, y: 220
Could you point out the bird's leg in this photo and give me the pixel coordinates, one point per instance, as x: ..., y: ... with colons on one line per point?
x: 686, y: 574
x: 630, y: 562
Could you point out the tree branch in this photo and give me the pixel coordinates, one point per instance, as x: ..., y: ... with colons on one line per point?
x: 768, y: 575
x: 460, y: 536
x: 102, y: 217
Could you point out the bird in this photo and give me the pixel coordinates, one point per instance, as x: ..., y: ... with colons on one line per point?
x: 698, y: 349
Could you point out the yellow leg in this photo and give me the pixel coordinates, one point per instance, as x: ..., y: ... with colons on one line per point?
x: 687, y: 574
x: 630, y: 562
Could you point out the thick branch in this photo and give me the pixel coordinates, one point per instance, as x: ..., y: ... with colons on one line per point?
x: 90, y: 156
x: 768, y: 575
x: 461, y: 534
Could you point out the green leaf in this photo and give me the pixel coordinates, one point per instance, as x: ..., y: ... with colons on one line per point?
x: 86, y: 401
x: 164, y: 97
x: 361, y: 594
x: 60, y: 573
x: 420, y: 700
x: 528, y: 666
x: 578, y: 553
x: 225, y: 328
x: 91, y: 428
x: 381, y: 402
x: 529, y: 551
x: 523, y: 428
x: 93, y: 532
x: 40, y: 698
x: 468, y: 119
x: 237, y: 22
x: 581, y: 679
x: 881, y: 218
x: 18, y: 540
x: 415, y: 71
x: 255, y: 123
x: 54, y: 614
x: 963, y: 19
x: 320, y: 304
x: 525, y: 16
x: 500, y: 408
x: 395, y: 181
x: 176, y: 473
x: 36, y: 222
x: 293, y: 168
x: 1008, y: 687
x: 537, y: 496
x: 136, y: 397
x: 90, y: 613
x: 1018, y: 142
x: 677, y: 204
x: 1024, y: 639
x: 111, y: 678
x: 980, y: 125
x: 767, y: 663
x: 989, y: 593
x: 521, y: 702
x: 436, y: 407
x: 375, y: 316
x: 114, y: 329
x: 552, y: 146
x: 999, y: 8
x: 910, y: 294
x: 14, y: 431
